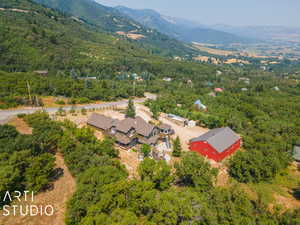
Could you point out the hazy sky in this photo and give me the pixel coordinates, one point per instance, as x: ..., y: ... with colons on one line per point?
x: 232, y: 12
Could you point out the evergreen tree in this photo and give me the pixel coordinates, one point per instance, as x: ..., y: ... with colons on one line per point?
x: 194, y: 171
x: 176, y: 147
x: 146, y: 150
x: 130, y: 112
x: 157, y: 172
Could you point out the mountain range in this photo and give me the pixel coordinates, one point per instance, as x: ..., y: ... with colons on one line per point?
x: 190, y: 31
x: 181, y: 29
x: 150, y: 26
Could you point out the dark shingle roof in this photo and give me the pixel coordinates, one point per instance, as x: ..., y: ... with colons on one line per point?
x: 151, y: 141
x: 122, y: 138
x: 140, y: 125
x: 125, y: 125
x: 101, y: 121
x: 219, y: 138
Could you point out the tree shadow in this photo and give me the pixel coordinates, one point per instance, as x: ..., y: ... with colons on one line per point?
x: 296, y: 193
x: 56, y: 174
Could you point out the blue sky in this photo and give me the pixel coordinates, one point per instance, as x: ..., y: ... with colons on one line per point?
x: 231, y: 12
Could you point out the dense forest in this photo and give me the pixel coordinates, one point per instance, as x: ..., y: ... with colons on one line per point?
x: 267, y: 118
x: 105, y: 195
x: 164, y: 195
x: 41, y: 38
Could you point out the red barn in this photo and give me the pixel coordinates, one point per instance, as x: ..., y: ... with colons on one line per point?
x: 216, y: 144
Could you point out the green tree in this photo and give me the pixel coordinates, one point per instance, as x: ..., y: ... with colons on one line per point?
x: 146, y: 150
x: 291, y: 218
x: 155, y: 111
x: 7, y: 131
x: 38, y: 173
x: 193, y: 171
x: 256, y: 166
x: 178, y: 207
x: 157, y: 172
x: 130, y: 111
x: 83, y: 111
x: 107, y: 147
x: 176, y: 147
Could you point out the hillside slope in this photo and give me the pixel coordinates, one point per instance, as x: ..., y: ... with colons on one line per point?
x: 43, y: 38
x: 33, y: 37
x: 112, y: 21
x: 102, y: 16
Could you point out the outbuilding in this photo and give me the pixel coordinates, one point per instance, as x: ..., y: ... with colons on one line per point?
x: 218, y: 90
x: 216, y: 144
x: 296, y: 153
x: 199, y: 105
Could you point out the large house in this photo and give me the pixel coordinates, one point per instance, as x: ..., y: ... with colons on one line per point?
x: 130, y: 131
x: 216, y: 144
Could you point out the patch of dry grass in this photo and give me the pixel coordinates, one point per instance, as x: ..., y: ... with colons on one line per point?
x: 213, y: 50
x: 21, y: 125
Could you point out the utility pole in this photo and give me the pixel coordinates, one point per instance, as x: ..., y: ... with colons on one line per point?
x: 29, y: 92
x: 134, y: 83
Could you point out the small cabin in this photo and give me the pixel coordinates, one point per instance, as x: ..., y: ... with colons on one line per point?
x: 42, y: 72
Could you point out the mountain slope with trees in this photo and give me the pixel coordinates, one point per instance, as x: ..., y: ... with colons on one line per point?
x: 110, y: 20
x: 40, y: 38
x: 180, y: 31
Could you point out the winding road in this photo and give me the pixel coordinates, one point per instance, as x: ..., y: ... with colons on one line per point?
x: 5, y: 115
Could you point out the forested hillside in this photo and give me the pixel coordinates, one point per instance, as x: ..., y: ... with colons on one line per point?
x: 110, y: 20
x: 38, y: 38
x: 41, y: 38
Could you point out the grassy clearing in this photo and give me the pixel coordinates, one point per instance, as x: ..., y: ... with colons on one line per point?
x: 280, y: 191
